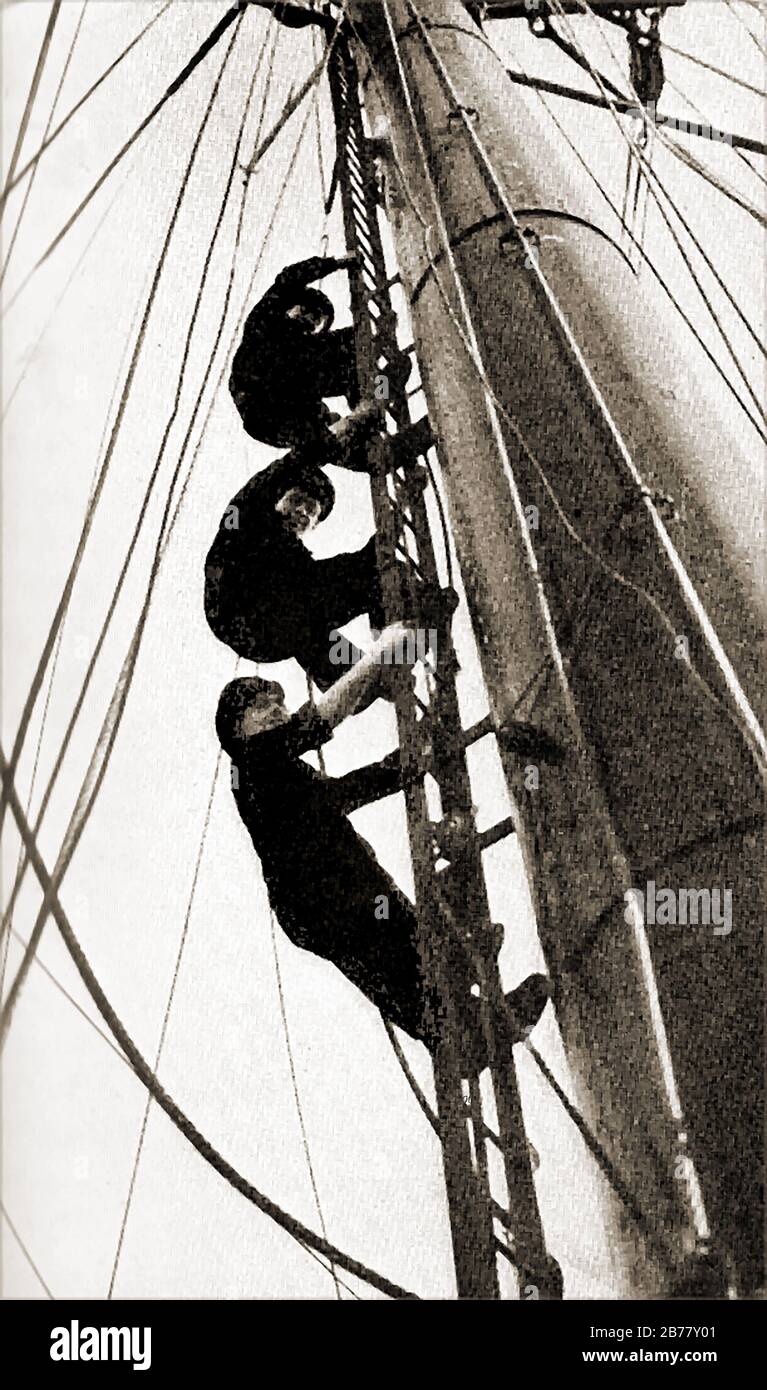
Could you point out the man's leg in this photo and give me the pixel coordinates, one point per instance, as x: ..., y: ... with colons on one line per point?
x: 343, y: 587
x: 334, y: 371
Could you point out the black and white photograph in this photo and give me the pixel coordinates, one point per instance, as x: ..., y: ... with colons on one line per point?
x: 383, y: 690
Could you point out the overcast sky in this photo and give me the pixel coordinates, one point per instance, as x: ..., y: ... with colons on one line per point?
x: 72, y: 1109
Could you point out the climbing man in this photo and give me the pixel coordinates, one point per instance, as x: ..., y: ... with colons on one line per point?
x: 266, y: 596
x: 326, y: 887
x: 290, y: 359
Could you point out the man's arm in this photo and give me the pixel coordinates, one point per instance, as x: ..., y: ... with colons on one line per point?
x: 287, y: 287
x: 303, y: 273
x: 365, y: 784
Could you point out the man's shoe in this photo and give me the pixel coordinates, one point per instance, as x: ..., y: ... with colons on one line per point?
x: 523, y: 1008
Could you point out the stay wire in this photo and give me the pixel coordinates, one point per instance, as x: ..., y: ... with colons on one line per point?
x: 308, y: 1239
x: 296, y: 1089
x: 61, y: 989
x: 619, y: 1187
x: 270, y: 35
x: 748, y: 729
x: 685, y: 156
x: 309, y: 85
x: 706, y: 690
x: 737, y: 151
x: 104, y: 470
x: 111, y: 723
x: 653, y: 179
x: 646, y: 259
x: 31, y: 163
x: 30, y: 353
x: 24, y: 1250
x: 32, y: 94
x: 324, y: 189
x: 49, y: 122
x: 110, y: 726
x: 235, y: 13
x: 353, y: 1266
x: 324, y: 239
x: 163, y: 1033
x: 760, y: 48
x: 678, y: 151
x: 710, y: 67
x: 57, y: 649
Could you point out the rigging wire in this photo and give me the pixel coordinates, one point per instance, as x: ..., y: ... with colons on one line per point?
x: 678, y: 151
x: 597, y: 1151
x: 608, y: 569
x: 235, y: 13
x: 64, y: 600
x: 307, y: 1238
x: 270, y: 35
x: 31, y: 352
x: 48, y: 140
x: 57, y: 649
x: 24, y: 1250
x: 32, y: 94
x: 71, y: 998
x: 736, y: 143
x: 118, y: 703
x: 648, y: 261
x: 650, y: 174
x: 324, y: 186
x: 163, y: 1033
x: 748, y: 729
x: 760, y: 48
x: 324, y: 241
x: 110, y: 728
x: 331, y: 1247
x: 710, y: 67
x: 72, y: 836
x: 49, y: 122
x: 722, y: 186
x: 296, y: 1090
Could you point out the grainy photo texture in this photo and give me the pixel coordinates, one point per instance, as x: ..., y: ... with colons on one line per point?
x: 383, y: 564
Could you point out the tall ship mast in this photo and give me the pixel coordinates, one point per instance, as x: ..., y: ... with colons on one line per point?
x: 591, y: 523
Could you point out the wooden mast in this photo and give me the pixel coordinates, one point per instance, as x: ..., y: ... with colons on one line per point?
x: 636, y: 651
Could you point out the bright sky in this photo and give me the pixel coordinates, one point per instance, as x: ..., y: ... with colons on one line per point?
x: 72, y: 1110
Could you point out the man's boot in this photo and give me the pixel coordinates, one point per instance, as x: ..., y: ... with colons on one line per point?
x: 522, y: 1009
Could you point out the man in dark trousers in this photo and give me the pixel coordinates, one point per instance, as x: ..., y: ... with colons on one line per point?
x: 265, y: 594
x: 327, y: 889
x: 290, y: 359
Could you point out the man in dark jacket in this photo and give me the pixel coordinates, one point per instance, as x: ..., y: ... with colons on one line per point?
x: 327, y: 889
x: 265, y: 594
x: 290, y: 359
